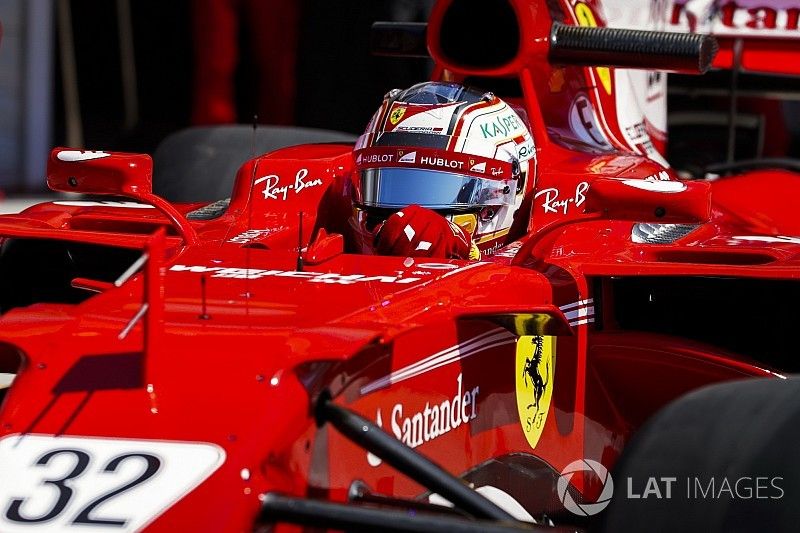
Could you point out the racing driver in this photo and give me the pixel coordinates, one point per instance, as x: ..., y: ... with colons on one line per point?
x: 441, y: 171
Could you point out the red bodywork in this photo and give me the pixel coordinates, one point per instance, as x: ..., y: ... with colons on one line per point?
x: 239, y: 343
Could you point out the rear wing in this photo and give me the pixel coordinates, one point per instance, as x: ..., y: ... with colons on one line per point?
x: 761, y: 36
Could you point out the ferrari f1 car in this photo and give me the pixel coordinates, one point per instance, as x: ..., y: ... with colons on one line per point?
x: 230, y: 365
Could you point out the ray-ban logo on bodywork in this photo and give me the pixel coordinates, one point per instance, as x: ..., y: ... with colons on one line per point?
x: 274, y: 190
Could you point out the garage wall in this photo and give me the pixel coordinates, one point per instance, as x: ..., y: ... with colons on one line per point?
x: 25, y: 93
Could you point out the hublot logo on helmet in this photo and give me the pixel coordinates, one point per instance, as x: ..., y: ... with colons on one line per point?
x: 441, y: 162
x: 378, y: 158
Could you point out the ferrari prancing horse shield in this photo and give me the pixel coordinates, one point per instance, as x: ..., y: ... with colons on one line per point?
x: 396, y: 115
x: 535, y: 368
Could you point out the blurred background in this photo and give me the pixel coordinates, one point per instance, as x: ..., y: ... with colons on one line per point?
x: 123, y: 74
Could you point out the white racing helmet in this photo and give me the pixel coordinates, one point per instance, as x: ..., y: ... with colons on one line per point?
x: 464, y: 153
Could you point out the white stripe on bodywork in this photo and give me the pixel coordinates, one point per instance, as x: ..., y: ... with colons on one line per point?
x: 579, y: 303
x: 480, y: 343
x: 465, y: 268
x: 580, y: 312
x: 104, y: 203
x: 446, y: 354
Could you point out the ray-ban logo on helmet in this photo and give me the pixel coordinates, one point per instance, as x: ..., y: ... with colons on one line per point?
x: 585, y: 508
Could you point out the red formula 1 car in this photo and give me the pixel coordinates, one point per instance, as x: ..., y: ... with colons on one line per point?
x: 230, y: 366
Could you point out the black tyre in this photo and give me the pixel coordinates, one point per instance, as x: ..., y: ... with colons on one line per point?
x: 734, y: 452
x: 200, y: 164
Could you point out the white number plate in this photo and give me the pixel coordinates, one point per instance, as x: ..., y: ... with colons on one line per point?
x: 95, y: 484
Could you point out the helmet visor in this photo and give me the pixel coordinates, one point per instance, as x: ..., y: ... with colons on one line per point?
x: 399, y: 187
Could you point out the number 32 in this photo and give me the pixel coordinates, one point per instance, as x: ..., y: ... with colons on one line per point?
x: 65, y: 492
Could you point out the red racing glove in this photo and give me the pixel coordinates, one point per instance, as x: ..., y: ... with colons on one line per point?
x: 419, y: 232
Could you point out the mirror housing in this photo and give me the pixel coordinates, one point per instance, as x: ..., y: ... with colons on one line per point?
x: 642, y: 200
x: 113, y: 173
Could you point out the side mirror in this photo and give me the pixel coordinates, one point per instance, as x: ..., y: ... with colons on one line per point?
x: 677, y: 202
x: 113, y: 173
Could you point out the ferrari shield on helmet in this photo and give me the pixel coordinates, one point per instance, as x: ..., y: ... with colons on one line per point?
x: 464, y: 153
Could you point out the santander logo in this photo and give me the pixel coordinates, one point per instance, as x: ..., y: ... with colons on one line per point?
x: 417, y: 428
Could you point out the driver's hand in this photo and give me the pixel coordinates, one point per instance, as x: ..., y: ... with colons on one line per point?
x: 419, y: 232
